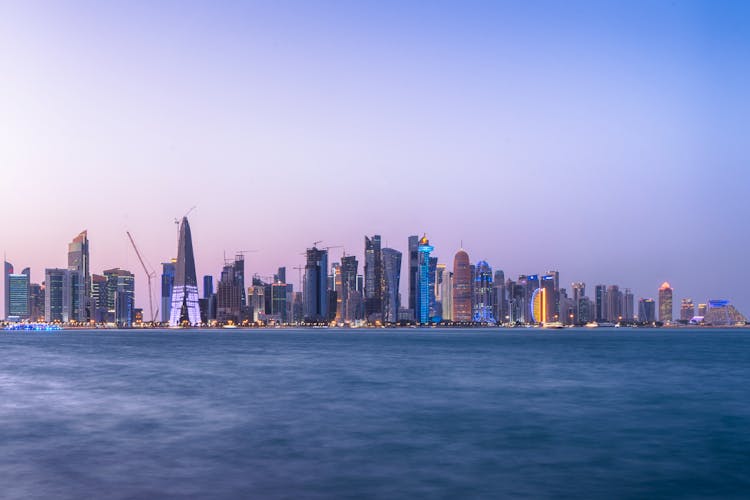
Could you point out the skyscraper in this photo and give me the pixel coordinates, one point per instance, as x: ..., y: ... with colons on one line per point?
x: 391, y: 283
x: 423, y: 285
x: 8, y: 270
x: 551, y: 297
x: 501, y: 302
x: 646, y: 311
x: 614, y: 304
x: 229, y: 292
x: 484, y: 294
x: 665, y: 303
x: 579, y: 291
x: 628, y: 301
x: 350, y: 296
x: 99, y: 298
x: 18, y: 292
x: 316, y: 285
x: 57, y: 300
x: 373, y: 278
x: 168, y: 270
x: 78, y: 263
x: 461, y: 287
x: 185, y: 307
x: 687, y: 310
x: 601, y: 303
x: 120, y: 297
x: 413, y: 272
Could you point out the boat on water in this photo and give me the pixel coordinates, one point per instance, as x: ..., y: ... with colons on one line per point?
x: 554, y: 325
x: 600, y: 324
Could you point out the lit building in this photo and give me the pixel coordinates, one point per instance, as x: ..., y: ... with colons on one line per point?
x: 424, y: 293
x: 600, y: 298
x: 18, y: 295
x: 78, y: 263
x: 665, y: 303
x: 57, y: 300
x: 500, y: 299
x: 687, y: 310
x: 185, y: 308
x: 316, y: 286
x: 461, y: 287
x: 413, y: 272
x: 722, y: 313
x: 391, y: 284
x: 614, y: 304
x: 579, y: 292
x: 373, y: 278
x: 167, y: 283
x: 120, y: 297
x: 647, y: 311
x: 532, y: 284
x: 539, y: 306
x: 229, y: 292
x: 99, y: 298
x: 484, y: 294
x: 36, y: 302
x: 551, y: 297
x: 702, y: 308
x: 628, y: 304
x: 8, y: 270
x: 350, y: 296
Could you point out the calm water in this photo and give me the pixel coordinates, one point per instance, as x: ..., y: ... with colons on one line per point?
x: 376, y: 414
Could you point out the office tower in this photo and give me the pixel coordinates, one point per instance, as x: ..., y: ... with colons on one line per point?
x: 647, y: 311
x: 18, y: 296
x: 484, y: 294
x: 614, y: 304
x: 551, y: 296
x: 8, y: 270
x: 500, y: 299
x: 628, y: 304
x: 316, y: 286
x: 185, y: 308
x: 687, y: 310
x: 446, y: 293
x: 36, y: 299
x: 78, y: 262
x: 517, y: 300
x: 373, y: 278
x: 208, y: 286
x: 567, y: 307
x: 391, y: 283
x: 350, y: 297
x: 120, y: 287
x: 336, y: 284
x: 423, y: 283
x: 600, y: 303
x: 431, y: 285
x: 413, y: 272
x: 585, y: 311
x: 539, y: 306
x: 532, y: 284
x: 168, y: 270
x: 99, y: 298
x: 229, y: 292
x: 57, y: 300
x: 280, y: 276
x: 579, y: 291
x: 702, y: 308
x: 461, y: 287
x: 665, y: 303
x: 279, y: 302
x: 257, y: 297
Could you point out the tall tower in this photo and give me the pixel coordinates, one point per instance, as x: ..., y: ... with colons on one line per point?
x: 665, y: 303
x: 423, y: 285
x: 78, y: 263
x: 484, y: 293
x: 461, y: 287
x: 413, y: 272
x: 8, y: 270
x: 373, y: 278
x: 185, y: 306
x: 316, y: 285
x: 391, y: 283
x: 167, y: 283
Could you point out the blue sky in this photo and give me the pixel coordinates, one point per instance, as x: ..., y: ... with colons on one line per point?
x: 604, y: 139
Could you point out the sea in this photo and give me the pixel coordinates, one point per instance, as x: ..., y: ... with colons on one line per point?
x: 365, y: 413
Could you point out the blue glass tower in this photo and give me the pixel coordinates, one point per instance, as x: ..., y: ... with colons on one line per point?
x: 423, y: 278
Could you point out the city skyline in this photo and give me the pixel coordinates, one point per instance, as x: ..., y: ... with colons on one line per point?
x: 606, y: 141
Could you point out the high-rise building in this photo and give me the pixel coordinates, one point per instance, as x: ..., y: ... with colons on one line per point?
x: 579, y: 291
x: 229, y: 292
x: 350, y: 296
x: 532, y: 285
x: 551, y: 297
x: 646, y: 311
x: 78, y: 262
x: 18, y: 295
x: 614, y: 304
x: 36, y: 299
x: 600, y: 303
x: 665, y: 303
x: 446, y: 293
x: 373, y: 278
x: 7, y: 271
x: 687, y: 310
x: 461, y: 287
x: 484, y: 294
x: 628, y: 304
x: 185, y: 307
x: 57, y: 300
x: 99, y: 298
x: 168, y: 270
x: 120, y: 297
x: 391, y: 283
x: 702, y: 309
x: 424, y: 293
x: 501, y: 300
x: 316, y: 286
x: 413, y: 272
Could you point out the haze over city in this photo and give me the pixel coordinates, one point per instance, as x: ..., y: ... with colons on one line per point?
x: 605, y: 141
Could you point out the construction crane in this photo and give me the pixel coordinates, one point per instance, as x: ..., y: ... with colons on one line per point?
x: 177, y: 221
x: 149, y: 275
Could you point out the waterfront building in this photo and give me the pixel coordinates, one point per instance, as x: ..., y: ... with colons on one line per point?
x: 279, y: 302
x: 600, y: 298
x: 120, y: 289
x: 413, y: 271
x: 551, y: 296
x: 532, y: 284
x: 539, y: 306
x: 579, y: 291
x: 461, y: 287
x: 614, y: 304
x: 167, y: 283
x: 424, y: 292
x: 687, y: 310
x: 229, y: 292
x: 78, y: 263
x: 57, y: 300
x: 484, y: 294
x: 257, y: 297
x: 7, y: 271
x: 585, y: 308
x: 517, y: 300
x: 18, y: 296
x: 391, y: 284
x: 185, y: 308
x: 702, y: 309
x: 647, y: 311
x: 316, y: 285
x: 373, y: 278
x: 99, y: 298
x: 350, y: 296
x: 723, y: 313
x: 500, y: 298
x: 665, y: 303
x: 628, y: 304
x: 435, y: 315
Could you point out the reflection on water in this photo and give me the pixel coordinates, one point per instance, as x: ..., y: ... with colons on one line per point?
x: 387, y: 414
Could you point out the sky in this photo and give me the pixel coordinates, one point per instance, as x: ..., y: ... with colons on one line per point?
x: 607, y: 140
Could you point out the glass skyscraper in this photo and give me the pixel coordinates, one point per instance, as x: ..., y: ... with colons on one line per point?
x: 185, y: 306
x: 423, y: 285
x: 391, y: 283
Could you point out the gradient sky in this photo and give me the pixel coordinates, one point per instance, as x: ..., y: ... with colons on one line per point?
x: 608, y: 140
